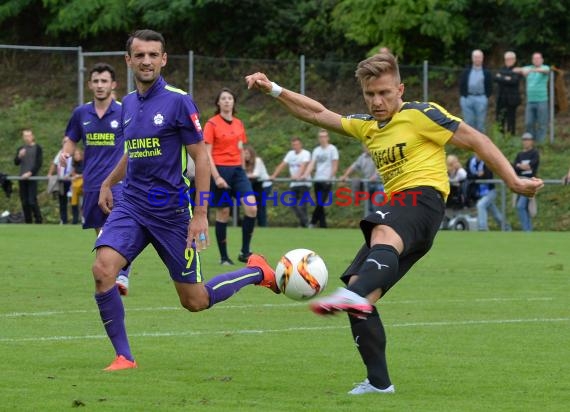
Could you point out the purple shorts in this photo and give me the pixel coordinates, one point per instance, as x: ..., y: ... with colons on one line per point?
x: 129, y: 231
x: 93, y: 216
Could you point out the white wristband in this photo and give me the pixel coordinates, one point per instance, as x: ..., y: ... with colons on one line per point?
x: 275, y: 90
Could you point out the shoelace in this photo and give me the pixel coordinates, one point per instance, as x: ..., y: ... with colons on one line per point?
x: 361, y: 385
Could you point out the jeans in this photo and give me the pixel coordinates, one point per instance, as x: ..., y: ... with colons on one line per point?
x: 474, y: 110
x: 484, y: 204
x: 261, y: 195
x: 536, y: 120
x: 524, y: 214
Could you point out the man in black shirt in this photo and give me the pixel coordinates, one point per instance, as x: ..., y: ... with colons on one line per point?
x: 29, y: 157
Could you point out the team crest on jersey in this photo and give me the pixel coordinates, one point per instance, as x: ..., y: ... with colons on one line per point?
x: 158, y: 119
x: 114, y: 124
x: 196, y: 121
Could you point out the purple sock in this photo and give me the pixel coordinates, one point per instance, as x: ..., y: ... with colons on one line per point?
x: 224, y: 286
x: 113, y: 316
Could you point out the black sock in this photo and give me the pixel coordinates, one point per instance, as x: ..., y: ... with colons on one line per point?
x: 378, y: 271
x: 246, y: 233
x: 221, y: 237
x: 370, y: 340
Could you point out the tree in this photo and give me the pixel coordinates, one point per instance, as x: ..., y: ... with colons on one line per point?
x: 413, y: 29
x: 442, y: 30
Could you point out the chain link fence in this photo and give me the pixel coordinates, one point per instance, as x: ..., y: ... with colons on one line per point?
x: 55, y: 78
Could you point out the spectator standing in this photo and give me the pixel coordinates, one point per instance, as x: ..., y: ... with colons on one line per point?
x: 475, y: 88
x: 536, y: 113
x: 298, y: 160
x: 29, y: 157
x: 324, y: 161
x: 364, y: 165
x: 508, y: 95
x: 224, y: 135
x: 485, y: 193
x: 62, y: 174
x: 526, y: 165
x: 77, y: 186
x: 260, y: 183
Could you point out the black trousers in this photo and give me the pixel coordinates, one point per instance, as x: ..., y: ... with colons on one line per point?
x: 29, y: 199
x: 506, y: 115
x: 322, y: 190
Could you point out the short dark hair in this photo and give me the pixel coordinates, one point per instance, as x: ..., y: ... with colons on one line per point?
x: 225, y: 90
x: 101, y: 68
x: 146, y: 35
x: 296, y: 139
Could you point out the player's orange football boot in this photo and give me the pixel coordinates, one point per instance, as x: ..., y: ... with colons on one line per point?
x: 120, y: 363
x: 268, y: 281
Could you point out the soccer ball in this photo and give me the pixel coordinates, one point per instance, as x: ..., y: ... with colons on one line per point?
x: 301, y: 274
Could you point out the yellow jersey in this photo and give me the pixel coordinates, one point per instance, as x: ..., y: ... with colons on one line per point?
x: 408, y: 149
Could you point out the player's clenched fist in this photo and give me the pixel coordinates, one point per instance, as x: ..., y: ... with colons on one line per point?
x: 258, y: 81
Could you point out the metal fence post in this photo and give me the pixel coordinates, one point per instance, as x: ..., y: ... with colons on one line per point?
x: 425, y: 79
x: 80, y: 75
x: 302, y: 74
x: 367, y: 201
x: 130, y: 81
x: 190, y: 72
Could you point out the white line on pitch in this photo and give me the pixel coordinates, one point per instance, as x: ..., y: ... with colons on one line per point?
x: 284, y: 330
x: 267, y: 305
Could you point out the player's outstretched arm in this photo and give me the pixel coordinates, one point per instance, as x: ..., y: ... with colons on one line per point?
x: 298, y: 105
x: 469, y: 138
x: 116, y: 175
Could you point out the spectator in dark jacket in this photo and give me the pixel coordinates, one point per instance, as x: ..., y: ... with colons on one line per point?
x: 508, y: 96
x: 526, y: 165
x: 29, y: 157
x: 475, y: 88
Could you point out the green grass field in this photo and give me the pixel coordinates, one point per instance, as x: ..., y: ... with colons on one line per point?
x: 481, y: 323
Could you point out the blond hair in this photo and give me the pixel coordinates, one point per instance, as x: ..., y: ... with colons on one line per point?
x: 377, y: 66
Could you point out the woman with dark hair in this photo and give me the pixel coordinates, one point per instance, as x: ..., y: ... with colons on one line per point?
x: 259, y: 178
x: 225, y: 136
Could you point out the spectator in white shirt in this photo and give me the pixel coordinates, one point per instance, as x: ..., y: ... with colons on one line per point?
x: 324, y: 161
x: 259, y: 178
x: 297, y: 159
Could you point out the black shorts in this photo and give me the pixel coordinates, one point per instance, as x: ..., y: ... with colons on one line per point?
x: 239, y: 183
x: 414, y: 214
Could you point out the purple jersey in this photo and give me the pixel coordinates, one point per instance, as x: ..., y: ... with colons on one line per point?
x: 102, y: 139
x: 157, y: 126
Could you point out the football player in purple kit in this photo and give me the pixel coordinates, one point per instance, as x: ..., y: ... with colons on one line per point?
x: 160, y: 125
x: 97, y: 125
